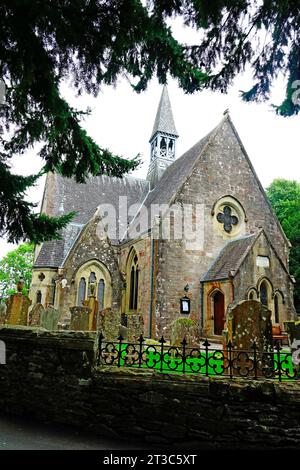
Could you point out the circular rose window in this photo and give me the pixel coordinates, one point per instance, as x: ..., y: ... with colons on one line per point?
x: 229, y: 216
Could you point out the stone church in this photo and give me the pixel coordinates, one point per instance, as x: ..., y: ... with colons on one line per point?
x: 241, y: 253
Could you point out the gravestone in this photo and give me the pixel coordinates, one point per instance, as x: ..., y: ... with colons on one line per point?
x: 249, y: 321
x: 3, y: 313
x: 34, y: 316
x: 17, y: 309
x: 92, y: 304
x: 184, y: 328
x: 293, y: 330
x: 64, y: 323
x: 80, y: 318
x: 135, y: 327
x: 49, y: 318
x: 123, y: 331
x: 108, y: 323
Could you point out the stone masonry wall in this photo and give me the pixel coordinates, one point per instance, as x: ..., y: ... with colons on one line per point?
x: 142, y: 248
x: 221, y: 171
x: 90, y: 247
x: 51, y: 376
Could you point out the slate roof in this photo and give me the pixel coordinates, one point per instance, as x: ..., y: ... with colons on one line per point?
x: 84, y: 199
x: 175, y: 174
x: 173, y: 177
x: 164, y: 121
x: 230, y: 258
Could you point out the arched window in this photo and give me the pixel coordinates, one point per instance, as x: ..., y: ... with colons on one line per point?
x: 81, y: 291
x: 136, y: 289
x: 52, y: 292
x: 133, y: 281
x: 163, y: 143
x: 38, y: 297
x: 263, y: 292
x: 276, y: 308
x: 92, y: 283
x: 93, y: 280
x: 101, y: 290
x: 251, y: 295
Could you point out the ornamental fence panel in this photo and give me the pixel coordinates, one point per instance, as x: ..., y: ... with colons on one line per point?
x: 205, y: 360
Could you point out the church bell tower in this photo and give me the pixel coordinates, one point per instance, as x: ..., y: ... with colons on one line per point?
x: 162, y: 141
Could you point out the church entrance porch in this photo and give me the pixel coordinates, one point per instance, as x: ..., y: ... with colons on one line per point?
x: 218, y: 313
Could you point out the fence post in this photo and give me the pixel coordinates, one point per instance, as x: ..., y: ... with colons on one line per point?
x: 100, y: 339
x: 229, y: 350
x: 162, y: 341
x: 120, y: 338
x: 278, y: 349
x: 141, y: 340
x: 184, y: 342
x: 206, y: 344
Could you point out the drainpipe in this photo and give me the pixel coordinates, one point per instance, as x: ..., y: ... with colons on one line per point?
x: 201, y: 307
x: 151, y: 288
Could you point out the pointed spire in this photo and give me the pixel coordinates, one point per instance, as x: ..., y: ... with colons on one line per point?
x: 164, y: 121
x: 163, y: 140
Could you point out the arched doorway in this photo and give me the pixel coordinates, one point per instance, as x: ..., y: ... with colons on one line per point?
x: 219, y: 312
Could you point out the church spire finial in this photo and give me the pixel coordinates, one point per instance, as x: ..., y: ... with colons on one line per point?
x: 163, y: 139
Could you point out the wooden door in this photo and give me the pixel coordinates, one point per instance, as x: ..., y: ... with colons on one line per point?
x: 219, y: 313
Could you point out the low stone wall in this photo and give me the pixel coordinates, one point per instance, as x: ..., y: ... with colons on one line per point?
x: 52, y: 376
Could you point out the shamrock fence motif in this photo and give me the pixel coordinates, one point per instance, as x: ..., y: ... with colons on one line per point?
x: 205, y: 360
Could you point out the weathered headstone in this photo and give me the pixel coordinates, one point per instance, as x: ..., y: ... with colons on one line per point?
x: 123, y: 331
x: 249, y: 321
x: 184, y: 328
x: 135, y: 327
x: 64, y: 323
x: 34, y: 316
x: 293, y: 330
x: 49, y: 318
x: 17, y: 309
x: 92, y: 304
x: 80, y: 318
x: 108, y: 323
x: 3, y: 313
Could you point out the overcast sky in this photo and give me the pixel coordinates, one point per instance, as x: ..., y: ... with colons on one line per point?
x: 122, y: 120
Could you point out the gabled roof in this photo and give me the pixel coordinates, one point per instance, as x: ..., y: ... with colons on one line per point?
x: 164, y: 121
x: 230, y: 258
x: 84, y: 199
x: 178, y: 172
